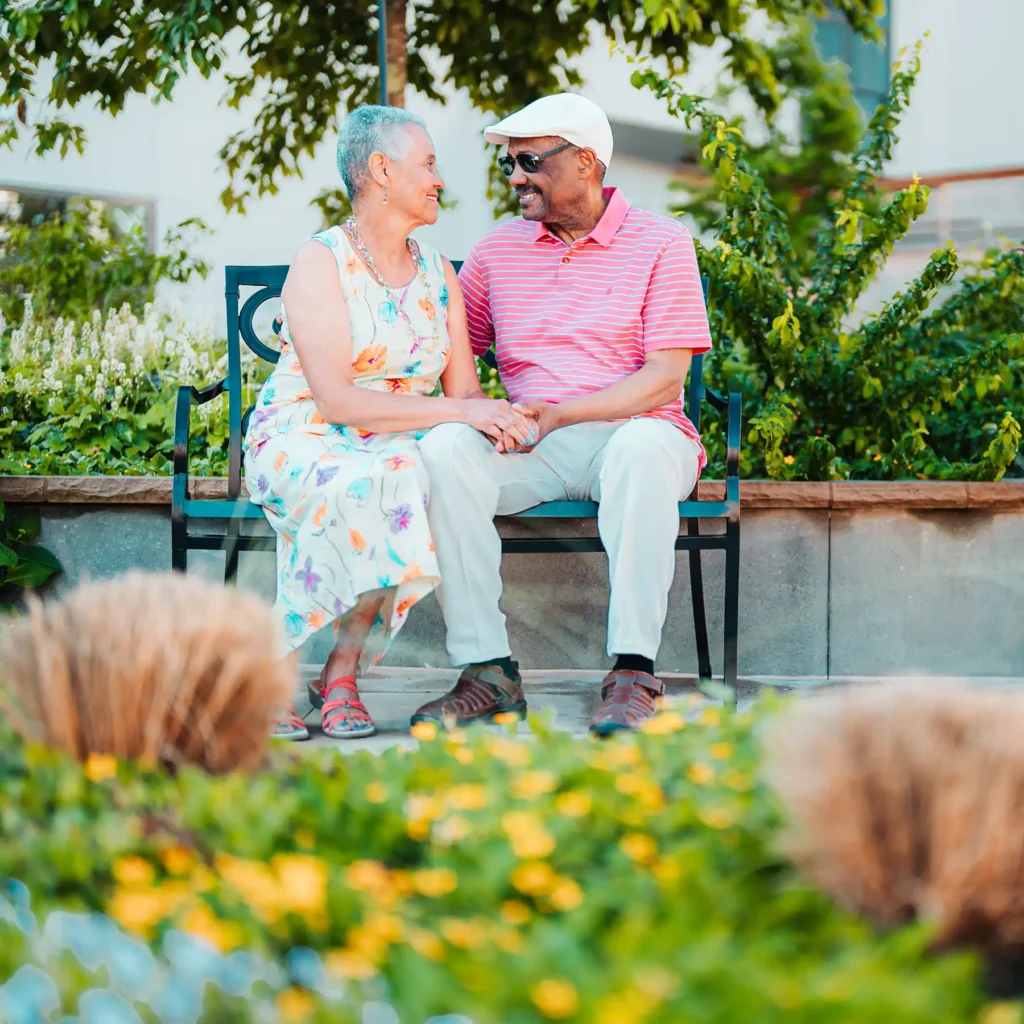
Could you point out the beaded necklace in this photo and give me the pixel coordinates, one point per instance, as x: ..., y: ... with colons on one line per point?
x: 393, y: 307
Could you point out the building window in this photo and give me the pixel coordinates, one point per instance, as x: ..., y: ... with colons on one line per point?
x: 868, y: 61
x: 21, y: 204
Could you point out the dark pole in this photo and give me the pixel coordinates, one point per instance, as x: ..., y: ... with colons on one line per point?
x: 382, y: 49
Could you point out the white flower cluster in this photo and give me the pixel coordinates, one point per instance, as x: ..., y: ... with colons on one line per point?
x: 112, y: 359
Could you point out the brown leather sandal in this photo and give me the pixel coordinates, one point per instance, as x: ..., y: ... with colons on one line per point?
x: 482, y: 693
x: 627, y: 701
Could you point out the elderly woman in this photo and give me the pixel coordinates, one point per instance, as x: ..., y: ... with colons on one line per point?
x: 371, y: 320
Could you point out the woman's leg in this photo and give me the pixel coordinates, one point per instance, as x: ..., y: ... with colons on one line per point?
x: 342, y: 714
x: 353, y: 629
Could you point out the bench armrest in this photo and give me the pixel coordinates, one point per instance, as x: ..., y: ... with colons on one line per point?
x: 187, y: 397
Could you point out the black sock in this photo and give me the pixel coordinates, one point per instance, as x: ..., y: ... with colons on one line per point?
x: 634, y: 663
x: 507, y: 665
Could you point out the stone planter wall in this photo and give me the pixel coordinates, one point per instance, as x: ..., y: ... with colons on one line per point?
x: 843, y: 580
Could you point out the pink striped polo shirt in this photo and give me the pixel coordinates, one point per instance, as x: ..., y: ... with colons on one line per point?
x: 570, y: 320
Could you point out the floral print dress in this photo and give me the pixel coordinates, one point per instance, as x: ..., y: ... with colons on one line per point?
x: 349, y: 506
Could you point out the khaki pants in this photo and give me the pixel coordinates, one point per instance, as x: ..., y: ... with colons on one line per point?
x: 637, y: 469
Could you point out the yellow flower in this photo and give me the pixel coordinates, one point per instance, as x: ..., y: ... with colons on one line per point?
x: 512, y: 753
x: 656, y: 982
x: 424, y: 731
x: 451, y: 830
x: 789, y: 460
x: 667, y: 871
x: 137, y: 910
x: 464, y: 934
x: 177, y: 860
x: 426, y: 944
x: 527, y: 835
x: 349, y: 964
x: 202, y: 922
x: 467, y: 797
x: 639, y: 847
x: 717, y: 817
x: 711, y: 716
x: 423, y: 806
x: 388, y: 928
x: 418, y: 830
x: 295, y: 1004
x: 508, y: 940
x: 303, y: 880
x: 376, y: 792
x: 505, y: 718
x: 574, y: 804
x: 534, y: 877
x: 133, y: 872
x: 1001, y: 1013
x: 666, y: 722
x: 566, y: 895
x: 531, y: 785
x: 734, y: 779
x: 647, y: 791
x: 555, y: 998
x: 702, y: 774
x: 256, y: 883
x: 100, y: 766
x: 434, y: 881
x: 463, y: 755
x: 721, y: 751
x: 515, y: 912
x: 620, y: 1008
x: 366, y: 875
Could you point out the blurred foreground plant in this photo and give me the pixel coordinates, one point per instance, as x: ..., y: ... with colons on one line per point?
x: 506, y: 878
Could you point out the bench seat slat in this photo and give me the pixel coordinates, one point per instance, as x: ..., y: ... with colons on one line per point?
x: 214, y: 509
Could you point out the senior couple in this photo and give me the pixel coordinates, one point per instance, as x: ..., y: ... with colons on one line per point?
x: 380, y: 489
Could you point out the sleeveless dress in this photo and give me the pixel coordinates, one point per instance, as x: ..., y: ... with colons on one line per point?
x: 349, y: 506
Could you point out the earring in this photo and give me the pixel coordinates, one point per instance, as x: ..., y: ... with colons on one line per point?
x: 384, y: 201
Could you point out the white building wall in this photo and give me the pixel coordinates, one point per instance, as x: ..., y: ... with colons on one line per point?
x: 965, y: 115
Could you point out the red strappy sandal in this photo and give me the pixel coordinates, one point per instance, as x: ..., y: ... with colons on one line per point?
x: 343, y: 716
x: 288, y: 725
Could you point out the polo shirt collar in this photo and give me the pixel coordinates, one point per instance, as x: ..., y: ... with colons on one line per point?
x: 610, y: 222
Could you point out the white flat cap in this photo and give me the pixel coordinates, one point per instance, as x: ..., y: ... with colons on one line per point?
x: 573, y: 118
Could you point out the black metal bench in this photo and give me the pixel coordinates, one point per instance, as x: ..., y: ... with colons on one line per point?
x: 235, y: 510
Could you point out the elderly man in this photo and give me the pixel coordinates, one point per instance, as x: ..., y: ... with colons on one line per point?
x: 594, y: 308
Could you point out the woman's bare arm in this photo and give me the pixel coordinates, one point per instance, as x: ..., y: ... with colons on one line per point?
x: 460, y: 379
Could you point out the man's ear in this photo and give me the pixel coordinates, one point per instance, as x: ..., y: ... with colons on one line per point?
x: 588, y: 160
x: 378, y: 168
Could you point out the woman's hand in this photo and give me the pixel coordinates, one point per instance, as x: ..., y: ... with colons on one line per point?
x: 505, y: 425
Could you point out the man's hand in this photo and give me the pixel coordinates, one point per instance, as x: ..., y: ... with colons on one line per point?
x: 544, y: 415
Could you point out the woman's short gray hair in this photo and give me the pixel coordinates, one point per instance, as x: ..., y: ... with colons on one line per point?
x: 367, y: 130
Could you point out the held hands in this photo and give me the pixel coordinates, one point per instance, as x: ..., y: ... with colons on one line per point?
x: 508, y: 427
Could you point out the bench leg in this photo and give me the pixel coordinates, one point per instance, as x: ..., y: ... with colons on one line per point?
x: 179, y: 547
x: 732, y: 604
x: 231, y: 548
x: 700, y: 618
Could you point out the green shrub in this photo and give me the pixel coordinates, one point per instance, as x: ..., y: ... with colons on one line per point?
x: 511, y: 880
x: 926, y: 387
x: 98, y: 397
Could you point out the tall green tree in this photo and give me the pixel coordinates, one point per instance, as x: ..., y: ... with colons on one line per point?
x: 803, y: 164
x: 306, y: 62
x: 928, y: 386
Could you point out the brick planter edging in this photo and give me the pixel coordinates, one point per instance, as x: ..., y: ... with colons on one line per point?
x: 1005, y: 496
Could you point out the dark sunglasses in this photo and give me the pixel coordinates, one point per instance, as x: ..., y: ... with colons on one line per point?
x: 528, y: 162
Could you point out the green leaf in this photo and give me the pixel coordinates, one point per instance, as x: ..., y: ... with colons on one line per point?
x: 34, y: 567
